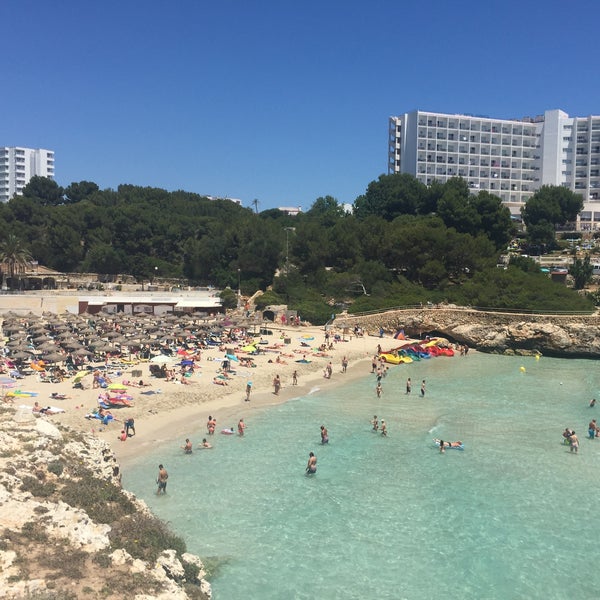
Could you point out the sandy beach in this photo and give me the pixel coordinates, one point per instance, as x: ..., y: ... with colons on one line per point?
x: 169, y: 410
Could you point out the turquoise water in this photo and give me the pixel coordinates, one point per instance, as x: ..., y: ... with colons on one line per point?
x: 513, y: 516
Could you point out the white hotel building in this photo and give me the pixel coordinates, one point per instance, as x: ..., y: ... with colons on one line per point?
x: 19, y: 165
x: 508, y: 158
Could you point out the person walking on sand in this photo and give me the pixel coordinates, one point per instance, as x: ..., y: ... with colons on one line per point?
x: 375, y: 423
x: 408, y: 386
x: 423, y: 389
x: 574, y: 443
x: 241, y: 427
x: 295, y: 378
x: 248, y: 390
x: 344, y: 364
x: 187, y: 447
x: 324, y: 435
x: 311, y: 466
x: 161, y: 480
x: 276, y: 385
x: 129, y: 425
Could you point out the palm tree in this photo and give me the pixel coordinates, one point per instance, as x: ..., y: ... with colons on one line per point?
x: 14, y: 255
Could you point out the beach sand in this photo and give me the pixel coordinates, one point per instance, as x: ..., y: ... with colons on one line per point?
x: 167, y: 411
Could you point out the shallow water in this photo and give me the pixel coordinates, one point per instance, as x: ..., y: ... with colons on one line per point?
x: 513, y: 516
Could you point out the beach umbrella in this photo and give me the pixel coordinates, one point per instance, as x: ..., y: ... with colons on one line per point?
x: 72, y: 345
x: 55, y: 357
x: 80, y: 376
x: 21, y: 355
x: 82, y: 352
x: 47, y: 346
x: 117, y: 386
x: 232, y: 357
x: 161, y: 359
x: 41, y: 338
x: 249, y: 348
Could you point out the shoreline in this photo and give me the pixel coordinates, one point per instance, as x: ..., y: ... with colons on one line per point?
x: 185, y: 422
x: 168, y: 411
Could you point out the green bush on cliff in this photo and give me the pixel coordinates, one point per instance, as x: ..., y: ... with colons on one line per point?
x: 144, y: 537
x: 103, y: 501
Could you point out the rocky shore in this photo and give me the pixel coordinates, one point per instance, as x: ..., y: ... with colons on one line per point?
x: 562, y: 336
x: 70, y: 531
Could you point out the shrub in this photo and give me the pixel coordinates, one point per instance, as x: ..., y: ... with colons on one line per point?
x: 56, y: 467
x: 34, y: 532
x: 103, y: 501
x: 144, y: 537
x: 65, y: 560
x: 37, y: 488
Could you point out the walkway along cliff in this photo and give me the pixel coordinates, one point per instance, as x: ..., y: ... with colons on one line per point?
x: 564, y: 336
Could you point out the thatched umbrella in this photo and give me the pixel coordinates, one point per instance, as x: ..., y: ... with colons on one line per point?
x: 72, y: 345
x: 47, y: 346
x: 54, y: 357
x: 20, y: 356
x: 83, y: 352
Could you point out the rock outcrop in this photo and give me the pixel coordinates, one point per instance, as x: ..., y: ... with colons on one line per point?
x: 63, y: 518
x: 552, y: 335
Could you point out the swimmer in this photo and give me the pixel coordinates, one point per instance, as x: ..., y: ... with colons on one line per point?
x: 592, y: 402
x: 205, y: 444
x: 442, y: 449
x: 311, y: 466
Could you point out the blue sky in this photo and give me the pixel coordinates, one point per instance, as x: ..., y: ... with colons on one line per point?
x: 279, y: 101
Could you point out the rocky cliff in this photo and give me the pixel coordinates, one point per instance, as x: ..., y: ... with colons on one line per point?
x: 552, y: 335
x: 70, y: 531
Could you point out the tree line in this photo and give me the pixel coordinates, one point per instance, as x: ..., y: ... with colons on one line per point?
x: 401, y: 243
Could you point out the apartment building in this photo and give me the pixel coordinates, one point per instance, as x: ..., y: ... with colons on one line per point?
x: 19, y: 165
x: 508, y: 158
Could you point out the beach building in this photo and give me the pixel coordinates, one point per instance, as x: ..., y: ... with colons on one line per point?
x: 508, y: 158
x: 18, y: 165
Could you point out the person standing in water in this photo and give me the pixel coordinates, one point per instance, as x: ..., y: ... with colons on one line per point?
x: 574, y: 440
x: 423, y: 389
x: 324, y: 435
x: 383, y: 428
x: 161, y: 480
x: 311, y: 466
x: 408, y: 386
x: 375, y: 423
x: 241, y: 427
x: 187, y: 447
